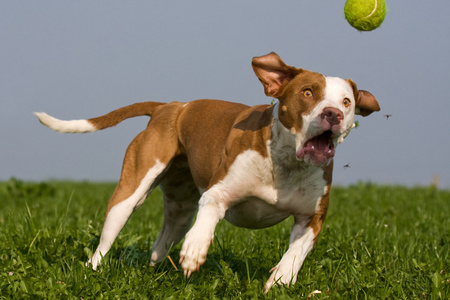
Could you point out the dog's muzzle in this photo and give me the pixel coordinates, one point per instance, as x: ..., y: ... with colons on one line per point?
x: 320, y: 149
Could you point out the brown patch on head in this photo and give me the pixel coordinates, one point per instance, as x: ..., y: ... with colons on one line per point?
x: 300, y: 96
x: 298, y: 90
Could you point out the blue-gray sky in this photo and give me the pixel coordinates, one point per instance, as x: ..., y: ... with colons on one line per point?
x: 81, y: 59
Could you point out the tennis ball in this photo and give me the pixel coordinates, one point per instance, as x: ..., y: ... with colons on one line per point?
x: 365, y: 15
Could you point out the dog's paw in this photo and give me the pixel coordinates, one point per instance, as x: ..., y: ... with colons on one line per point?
x: 156, y: 258
x: 193, y: 253
x: 95, y: 260
x: 280, y: 276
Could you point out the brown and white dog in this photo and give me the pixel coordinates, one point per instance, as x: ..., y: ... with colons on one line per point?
x: 253, y: 166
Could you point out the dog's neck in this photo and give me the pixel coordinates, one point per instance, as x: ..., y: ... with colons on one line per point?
x: 282, y: 147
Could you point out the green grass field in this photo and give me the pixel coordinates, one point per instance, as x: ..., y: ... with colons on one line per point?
x: 378, y: 242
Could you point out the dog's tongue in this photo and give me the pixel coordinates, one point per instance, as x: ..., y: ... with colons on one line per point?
x: 318, y: 150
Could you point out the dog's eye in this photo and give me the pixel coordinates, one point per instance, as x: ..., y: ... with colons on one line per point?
x: 307, y: 93
x: 346, y: 102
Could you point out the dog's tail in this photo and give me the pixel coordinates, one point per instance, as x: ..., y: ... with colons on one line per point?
x: 95, y: 124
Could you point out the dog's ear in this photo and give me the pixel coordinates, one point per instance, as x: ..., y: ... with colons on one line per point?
x: 365, y: 101
x: 273, y: 72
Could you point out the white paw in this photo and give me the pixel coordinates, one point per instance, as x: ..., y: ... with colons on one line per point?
x: 193, y: 253
x: 95, y: 260
x: 280, y: 276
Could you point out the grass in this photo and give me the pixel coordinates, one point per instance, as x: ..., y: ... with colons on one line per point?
x: 378, y: 242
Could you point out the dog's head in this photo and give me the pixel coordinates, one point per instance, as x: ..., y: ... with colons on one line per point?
x: 318, y: 110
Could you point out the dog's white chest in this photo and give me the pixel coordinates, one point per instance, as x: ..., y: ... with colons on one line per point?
x: 299, y: 191
x: 266, y: 195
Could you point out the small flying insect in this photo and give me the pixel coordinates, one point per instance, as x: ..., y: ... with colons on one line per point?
x: 387, y: 116
x: 346, y: 166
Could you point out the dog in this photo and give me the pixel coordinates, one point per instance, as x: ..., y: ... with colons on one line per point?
x: 253, y: 166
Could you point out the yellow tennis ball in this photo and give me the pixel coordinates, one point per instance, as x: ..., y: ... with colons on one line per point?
x: 365, y: 15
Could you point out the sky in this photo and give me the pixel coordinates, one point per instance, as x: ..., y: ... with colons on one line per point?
x: 82, y: 59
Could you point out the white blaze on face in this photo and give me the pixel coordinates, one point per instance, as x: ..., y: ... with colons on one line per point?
x: 337, y: 90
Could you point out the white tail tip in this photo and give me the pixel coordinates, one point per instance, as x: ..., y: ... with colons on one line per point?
x: 73, y: 126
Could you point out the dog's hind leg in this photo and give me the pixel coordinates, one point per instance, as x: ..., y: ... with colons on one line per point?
x: 144, y: 164
x: 180, y: 205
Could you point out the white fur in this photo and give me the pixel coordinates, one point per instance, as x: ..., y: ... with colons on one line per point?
x: 337, y: 90
x: 73, y: 126
x: 301, y: 242
x: 119, y: 214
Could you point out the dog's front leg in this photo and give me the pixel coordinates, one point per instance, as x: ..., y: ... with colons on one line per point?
x: 301, y: 242
x: 201, y: 235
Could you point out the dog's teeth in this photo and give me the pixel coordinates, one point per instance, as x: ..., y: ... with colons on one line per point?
x: 312, y: 147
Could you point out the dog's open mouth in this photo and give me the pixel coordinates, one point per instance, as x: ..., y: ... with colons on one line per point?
x: 318, y: 150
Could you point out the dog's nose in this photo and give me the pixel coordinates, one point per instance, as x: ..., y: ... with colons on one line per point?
x: 332, y: 115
